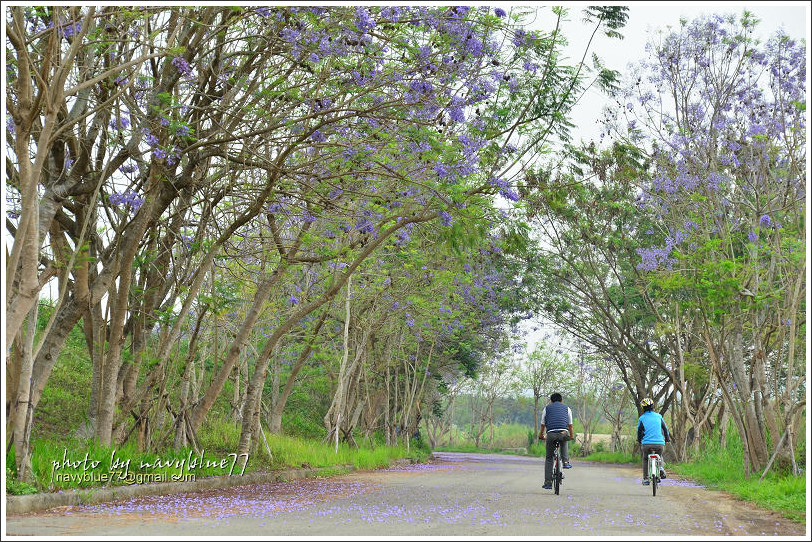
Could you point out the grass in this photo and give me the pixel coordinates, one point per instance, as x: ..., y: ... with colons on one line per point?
x: 612, y: 457
x: 785, y: 495
x: 82, y: 464
x: 721, y: 468
x: 465, y: 448
x: 15, y: 487
x: 508, y: 435
x: 76, y: 464
x: 294, y: 452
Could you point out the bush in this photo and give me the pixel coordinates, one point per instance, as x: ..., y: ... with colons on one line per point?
x: 219, y: 434
x: 302, y: 424
x: 15, y: 487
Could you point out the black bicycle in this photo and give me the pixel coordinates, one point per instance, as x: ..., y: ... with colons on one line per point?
x: 558, y: 472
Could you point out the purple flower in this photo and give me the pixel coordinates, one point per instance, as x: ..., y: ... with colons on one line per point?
x: 499, y: 12
x: 456, y: 114
x: 129, y: 168
x: 519, y: 37
x: 402, y: 237
x: 183, y: 67
x: 510, y: 194
x: 129, y: 199
x: 756, y: 130
x: 120, y: 123
x: 293, y: 300
x: 364, y: 21
x: 290, y: 35
x: 753, y: 236
x: 461, y: 10
x: 652, y: 258
x: 365, y: 226
x: 422, y: 87
x: 69, y: 30
x: 441, y: 169
x: 765, y: 220
x: 445, y: 218
x: 392, y: 13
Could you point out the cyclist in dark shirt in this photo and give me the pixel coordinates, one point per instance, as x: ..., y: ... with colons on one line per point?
x: 556, y: 426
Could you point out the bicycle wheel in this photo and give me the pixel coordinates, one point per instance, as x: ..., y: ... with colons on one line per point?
x: 557, y: 471
x: 654, y: 468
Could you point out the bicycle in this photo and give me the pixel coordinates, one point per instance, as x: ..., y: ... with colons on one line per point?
x: 558, y: 473
x: 654, y: 472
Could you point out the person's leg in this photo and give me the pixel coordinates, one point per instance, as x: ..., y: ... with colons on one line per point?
x: 565, y: 448
x: 548, y: 463
x: 561, y: 438
x: 644, y: 453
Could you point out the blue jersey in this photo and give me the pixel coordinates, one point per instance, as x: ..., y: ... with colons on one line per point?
x: 651, y: 429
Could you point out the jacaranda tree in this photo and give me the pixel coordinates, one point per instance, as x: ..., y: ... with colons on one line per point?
x: 723, y: 118
x: 147, y: 146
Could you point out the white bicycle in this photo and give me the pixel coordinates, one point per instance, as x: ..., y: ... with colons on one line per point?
x: 654, y: 462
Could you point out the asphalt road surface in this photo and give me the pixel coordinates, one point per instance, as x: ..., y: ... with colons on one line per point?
x: 454, y: 495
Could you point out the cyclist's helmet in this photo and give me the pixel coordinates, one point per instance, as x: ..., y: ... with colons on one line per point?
x: 647, y: 402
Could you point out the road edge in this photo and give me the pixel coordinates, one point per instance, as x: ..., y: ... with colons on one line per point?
x: 23, y: 504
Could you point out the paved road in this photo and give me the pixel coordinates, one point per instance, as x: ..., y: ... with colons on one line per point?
x: 455, y: 495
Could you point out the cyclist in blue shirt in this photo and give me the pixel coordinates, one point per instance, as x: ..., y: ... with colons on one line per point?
x: 652, y: 434
x: 556, y: 426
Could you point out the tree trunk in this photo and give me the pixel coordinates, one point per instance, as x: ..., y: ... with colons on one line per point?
x: 335, y: 408
x: 536, y: 427
x: 24, y: 412
x: 387, y: 424
x: 724, y: 421
x: 182, y: 423
x: 95, y: 325
x: 233, y: 353
x: 275, y: 422
x: 236, y: 404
